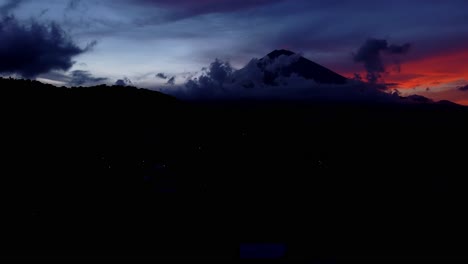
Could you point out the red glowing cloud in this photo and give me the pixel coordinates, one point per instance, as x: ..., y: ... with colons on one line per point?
x: 437, y: 77
x: 433, y: 71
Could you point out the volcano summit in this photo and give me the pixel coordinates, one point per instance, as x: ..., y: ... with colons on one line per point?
x: 298, y: 65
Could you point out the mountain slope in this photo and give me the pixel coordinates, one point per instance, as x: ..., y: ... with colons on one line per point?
x: 300, y: 66
x: 123, y: 173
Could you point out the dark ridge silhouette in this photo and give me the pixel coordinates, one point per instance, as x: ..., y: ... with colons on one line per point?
x: 450, y: 103
x: 302, y: 67
x: 120, y: 173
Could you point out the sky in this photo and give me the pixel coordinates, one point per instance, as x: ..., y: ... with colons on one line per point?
x: 417, y: 46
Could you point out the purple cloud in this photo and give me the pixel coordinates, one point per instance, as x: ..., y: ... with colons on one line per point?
x: 370, y: 54
x: 189, y: 8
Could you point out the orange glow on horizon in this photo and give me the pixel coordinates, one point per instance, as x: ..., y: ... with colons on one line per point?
x: 462, y: 102
x: 442, y: 74
x: 433, y: 71
x: 430, y: 72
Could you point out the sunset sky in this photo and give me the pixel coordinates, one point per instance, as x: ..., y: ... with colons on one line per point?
x: 108, y: 40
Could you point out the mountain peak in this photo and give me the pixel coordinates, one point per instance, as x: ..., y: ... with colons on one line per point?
x: 299, y: 66
x: 276, y: 53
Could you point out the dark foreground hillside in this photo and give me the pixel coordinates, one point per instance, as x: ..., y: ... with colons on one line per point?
x: 123, y: 173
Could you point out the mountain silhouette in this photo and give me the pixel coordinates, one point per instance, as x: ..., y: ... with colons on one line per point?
x: 300, y: 66
x: 123, y: 173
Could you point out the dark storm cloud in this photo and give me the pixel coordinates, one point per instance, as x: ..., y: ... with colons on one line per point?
x: 35, y: 48
x: 370, y: 54
x: 463, y: 88
x: 80, y: 78
x: 9, y: 6
x: 161, y: 76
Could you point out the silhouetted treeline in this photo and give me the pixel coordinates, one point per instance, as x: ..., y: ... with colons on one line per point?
x: 120, y: 172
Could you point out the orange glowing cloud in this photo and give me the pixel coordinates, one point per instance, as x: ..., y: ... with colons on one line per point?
x: 432, y: 71
x: 443, y: 73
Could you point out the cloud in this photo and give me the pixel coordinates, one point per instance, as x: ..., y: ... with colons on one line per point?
x: 43, y: 12
x: 222, y: 82
x: 181, y: 9
x: 211, y: 80
x: 73, y: 78
x: 161, y: 76
x: 81, y: 78
x: 219, y: 72
x: 171, y: 81
x: 124, y: 82
x: 35, y: 48
x: 370, y: 54
x: 9, y: 6
x: 463, y: 88
x: 72, y: 5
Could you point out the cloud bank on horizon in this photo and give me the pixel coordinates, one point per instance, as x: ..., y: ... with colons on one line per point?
x: 220, y: 81
x: 140, y: 38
